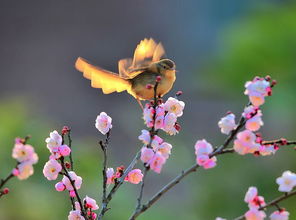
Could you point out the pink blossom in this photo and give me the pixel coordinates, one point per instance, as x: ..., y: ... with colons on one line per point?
x: 54, y: 140
x: 227, y: 123
x: 64, y: 150
x: 90, y: 203
x: 72, y: 193
x: 148, y: 115
x: 75, y: 215
x: 25, y: 170
x: 103, y: 123
x: 156, y: 142
x: 203, y: 149
x: 110, y: 175
x: 257, y: 90
x: 251, y: 194
x: 245, y: 143
x: 175, y: 106
x: 165, y: 149
x: 22, y: 152
x: 266, y: 150
x: 169, y: 123
x: 159, y: 122
x: 51, y: 169
x: 145, y: 137
x: 160, y: 110
x: 218, y: 218
x: 157, y: 162
x: 287, y: 181
x: 15, y: 172
x: 255, y: 214
x: 146, y: 154
x: 279, y: 215
x: 59, y: 186
x: 135, y: 176
x: 77, y: 181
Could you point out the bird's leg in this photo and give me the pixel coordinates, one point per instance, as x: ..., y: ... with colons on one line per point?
x: 140, y: 103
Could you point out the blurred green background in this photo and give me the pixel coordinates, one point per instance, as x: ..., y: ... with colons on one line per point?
x: 217, y: 47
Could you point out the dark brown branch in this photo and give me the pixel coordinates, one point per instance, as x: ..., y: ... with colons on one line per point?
x: 70, y: 145
x: 4, y: 181
x: 66, y: 173
x: 279, y: 141
x: 273, y: 202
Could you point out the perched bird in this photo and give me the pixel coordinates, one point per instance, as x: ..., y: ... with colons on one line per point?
x: 134, y: 74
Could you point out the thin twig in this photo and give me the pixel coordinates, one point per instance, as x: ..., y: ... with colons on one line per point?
x: 273, y: 202
x: 117, y: 185
x: 74, y: 187
x: 279, y: 141
x: 4, y: 181
x: 142, y: 188
x: 70, y: 145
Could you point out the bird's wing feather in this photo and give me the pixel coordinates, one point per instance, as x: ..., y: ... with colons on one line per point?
x: 108, y: 81
x: 146, y: 52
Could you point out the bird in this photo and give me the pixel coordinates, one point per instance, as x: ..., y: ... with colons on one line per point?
x: 147, y: 67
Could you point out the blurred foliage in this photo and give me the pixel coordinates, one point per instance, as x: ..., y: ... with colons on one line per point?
x: 263, y: 42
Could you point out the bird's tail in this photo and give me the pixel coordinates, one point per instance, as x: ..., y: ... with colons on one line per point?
x: 108, y: 81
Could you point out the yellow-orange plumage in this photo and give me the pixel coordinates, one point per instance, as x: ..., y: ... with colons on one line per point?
x: 134, y: 74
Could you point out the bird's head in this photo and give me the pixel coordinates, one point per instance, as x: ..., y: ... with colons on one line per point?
x: 166, y: 66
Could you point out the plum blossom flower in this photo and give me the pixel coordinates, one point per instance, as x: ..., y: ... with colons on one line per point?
x: 103, y: 123
x: 145, y: 137
x: 251, y: 194
x: 253, y: 116
x: 110, y: 175
x: 64, y: 150
x: 156, y: 141
x: 173, y: 105
x: 279, y: 215
x: 77, y: 181
x: 59, y: 186
x: 164, y: 149
x: 227, y: 123
x: 159, y: 122
x: 51, y: 169
x: 203, y: 149
x: 257, y: 90
x: 287, y: 181
x: 90, y: 203
x: 253, y: 199
x: 146, y: 154
x: 169, y: 123
x: 245, y: 143
x: 148, y: 115
x: 23, y: 152
x: 255, y: 214
x: 53, y: 141
x: 160, y: 111
x: 157, y: 162
x: 25, y: 170
x: 135, y: 176
x: 75, y: 215
x: 218, y: 218
x: 266, y: 150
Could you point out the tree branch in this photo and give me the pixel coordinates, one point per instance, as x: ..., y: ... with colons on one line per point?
x: 273, y: 202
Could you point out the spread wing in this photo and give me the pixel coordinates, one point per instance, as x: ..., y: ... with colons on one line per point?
x: 108, y: 81
x: 146, y: 52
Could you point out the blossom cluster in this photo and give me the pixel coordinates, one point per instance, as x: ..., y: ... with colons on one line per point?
x: 203, y: 149
x: 135, y: 176
x: 159, y: 116
x: 155, y: 154
x: 256, y: 202
x: 247, y: 141
x: 26, y: 157
x: 71, y: 182
x: 164, y: 115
